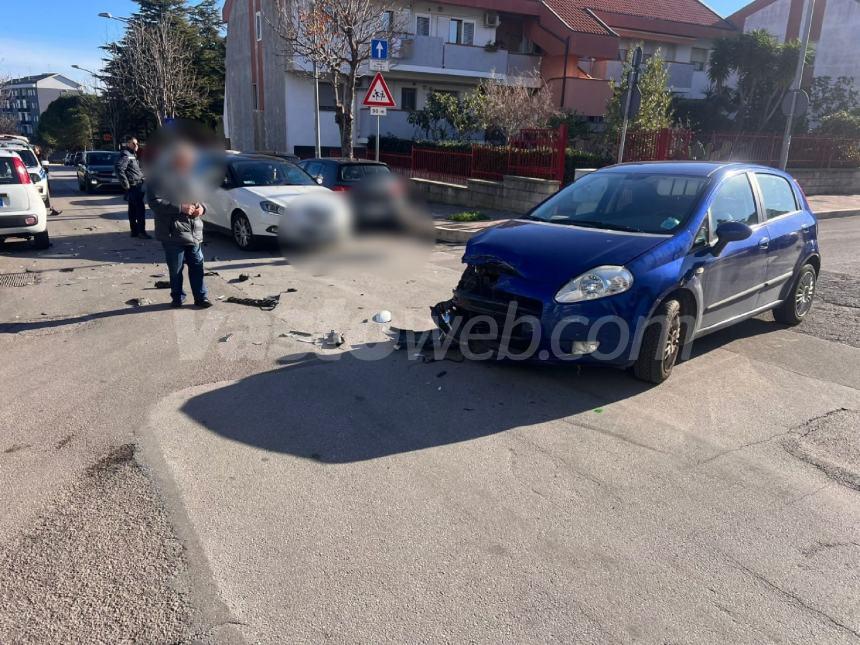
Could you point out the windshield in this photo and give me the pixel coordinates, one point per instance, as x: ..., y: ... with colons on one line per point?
x: 270, y: 173
x: 102, y: 158
x: 624, y: 201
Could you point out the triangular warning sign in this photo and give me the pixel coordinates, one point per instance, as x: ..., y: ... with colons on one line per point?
x: 378, y: 94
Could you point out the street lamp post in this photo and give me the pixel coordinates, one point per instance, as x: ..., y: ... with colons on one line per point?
x: 110, y: 16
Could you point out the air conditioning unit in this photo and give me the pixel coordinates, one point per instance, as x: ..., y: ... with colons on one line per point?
x: 491, y: 19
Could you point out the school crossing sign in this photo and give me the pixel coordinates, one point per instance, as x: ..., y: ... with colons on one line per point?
x: 378, y: 95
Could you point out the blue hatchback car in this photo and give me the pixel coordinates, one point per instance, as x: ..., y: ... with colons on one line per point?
x: 631, y: 263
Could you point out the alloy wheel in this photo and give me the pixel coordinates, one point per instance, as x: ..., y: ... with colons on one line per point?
x: 242, y: 231
x: 804, y: 293
x: 673, y: 341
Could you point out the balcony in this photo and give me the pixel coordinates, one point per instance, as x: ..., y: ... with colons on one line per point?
x: 433, y: 54
x: 684, y: 78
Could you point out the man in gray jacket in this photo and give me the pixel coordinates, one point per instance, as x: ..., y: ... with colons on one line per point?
x: 131, y: 179
x: 178, y: 223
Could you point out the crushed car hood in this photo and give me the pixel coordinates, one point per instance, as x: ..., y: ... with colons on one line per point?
x: 552, y: 252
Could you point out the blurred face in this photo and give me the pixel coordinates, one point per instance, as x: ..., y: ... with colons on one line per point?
x: 184, y: 158
x: 133, y: 145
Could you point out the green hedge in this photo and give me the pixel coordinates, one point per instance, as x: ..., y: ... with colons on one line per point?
x: 574, y: 159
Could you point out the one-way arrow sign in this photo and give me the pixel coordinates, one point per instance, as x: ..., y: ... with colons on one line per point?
x: 379, y: 49
x: 378, y: 94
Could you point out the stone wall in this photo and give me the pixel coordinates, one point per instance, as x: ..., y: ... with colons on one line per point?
x: 828, y: 181
x: 515, y: 194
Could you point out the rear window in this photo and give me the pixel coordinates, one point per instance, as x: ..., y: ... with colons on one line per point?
x: 27, y: 157
x: 102, y: 158
x: 357, y: 171
x: 7, y: 171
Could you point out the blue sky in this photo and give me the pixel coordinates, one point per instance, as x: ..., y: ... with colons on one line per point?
x: 52, y: 35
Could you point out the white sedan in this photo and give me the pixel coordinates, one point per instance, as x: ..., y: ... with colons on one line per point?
x: 254, y: 195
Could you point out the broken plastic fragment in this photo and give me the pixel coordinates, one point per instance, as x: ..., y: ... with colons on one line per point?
x: 383, y: 316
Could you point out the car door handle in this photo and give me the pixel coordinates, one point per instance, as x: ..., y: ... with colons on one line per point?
x: 763, y: 243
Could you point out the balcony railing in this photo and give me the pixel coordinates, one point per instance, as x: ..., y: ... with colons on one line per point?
x: 434, y: 52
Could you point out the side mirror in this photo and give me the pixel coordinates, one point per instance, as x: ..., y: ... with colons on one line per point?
x: 319, y: 179
x: 730, y: 232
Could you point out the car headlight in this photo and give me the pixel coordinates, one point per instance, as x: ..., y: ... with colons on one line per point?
x: 598, y: 283
x: 271, y: 207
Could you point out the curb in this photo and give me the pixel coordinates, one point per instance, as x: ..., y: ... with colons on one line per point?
x: 845, y: 212
x: 460, y: 233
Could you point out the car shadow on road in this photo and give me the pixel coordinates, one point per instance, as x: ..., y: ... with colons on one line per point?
x: 353, y: 409
x: 746, y: 329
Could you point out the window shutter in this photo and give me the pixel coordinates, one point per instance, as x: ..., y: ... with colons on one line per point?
x: 468, y: 33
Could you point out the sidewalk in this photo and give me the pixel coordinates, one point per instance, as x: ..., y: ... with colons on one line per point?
x: 824, y: 207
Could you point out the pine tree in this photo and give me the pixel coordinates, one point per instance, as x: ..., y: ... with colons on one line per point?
x: 655, y: 112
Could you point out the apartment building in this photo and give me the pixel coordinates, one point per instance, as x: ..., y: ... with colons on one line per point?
x: 26, y: 98
x: 576, y: 47
x: 835, y: 25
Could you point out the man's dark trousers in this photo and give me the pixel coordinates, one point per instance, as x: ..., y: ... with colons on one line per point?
x: 176, y: 256
x: 136, y: 210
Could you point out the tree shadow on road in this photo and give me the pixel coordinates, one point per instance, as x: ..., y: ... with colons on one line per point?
x: 50, y: 323
x: 353, y: 409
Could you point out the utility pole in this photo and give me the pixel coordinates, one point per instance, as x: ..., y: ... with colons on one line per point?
x: 317, y: 110
x: 795, y: 86
x: 632, y: 84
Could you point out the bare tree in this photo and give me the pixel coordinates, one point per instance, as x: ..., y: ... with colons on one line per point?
x: 8, y: 121
x: 512, y: 107
x: 156, y: 69
x: 336, y: 35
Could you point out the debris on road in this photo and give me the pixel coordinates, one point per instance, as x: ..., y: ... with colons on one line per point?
x: 383, y: 316
x: 224, y: 339
x: 333, y: 339
x: 205, y: 273
x: 291, y: 290
x: 243, y: 277
x: 139, y: 302
x: 265, y: 304
x: 162, y: 284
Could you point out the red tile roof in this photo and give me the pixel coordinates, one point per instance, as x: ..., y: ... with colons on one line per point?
x: 596, y: 16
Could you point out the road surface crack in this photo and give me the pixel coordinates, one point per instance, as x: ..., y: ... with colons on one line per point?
x: 795, y: 599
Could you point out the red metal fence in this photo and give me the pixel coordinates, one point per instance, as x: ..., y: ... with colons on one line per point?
x: 532, y: 153
x: 659, y: 145
x: 807, y: 151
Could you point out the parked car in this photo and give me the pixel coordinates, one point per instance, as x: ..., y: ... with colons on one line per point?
x: 631, y: 263
x: 67, y: 159
x: 342, y: 174
x: 252, y: 197
x: 77, y: 157
x: 22, y: 211
x: 96, y: 170
x: 38, y: 173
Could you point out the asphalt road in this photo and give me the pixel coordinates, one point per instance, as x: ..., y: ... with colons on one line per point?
x: 209, y: 476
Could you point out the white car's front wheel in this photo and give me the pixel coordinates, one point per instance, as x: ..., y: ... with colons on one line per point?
x: 243, y: 235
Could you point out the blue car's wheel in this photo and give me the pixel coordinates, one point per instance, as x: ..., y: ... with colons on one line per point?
x: 661, y: 344
x: 798, y: 302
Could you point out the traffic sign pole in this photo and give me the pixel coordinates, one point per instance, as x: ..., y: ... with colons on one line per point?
x: 632, y: 81
x: 795, y: 86
x: 378, y: 99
